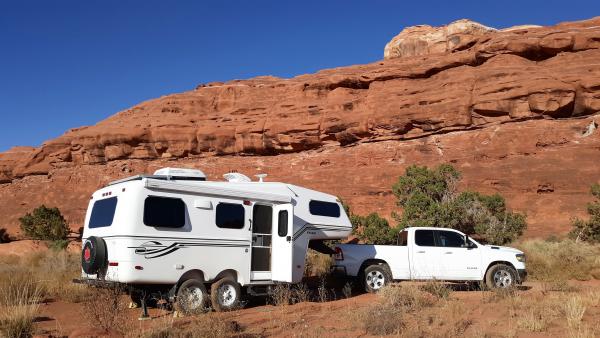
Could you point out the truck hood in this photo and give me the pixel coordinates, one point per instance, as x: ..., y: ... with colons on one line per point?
x: 503, y: 249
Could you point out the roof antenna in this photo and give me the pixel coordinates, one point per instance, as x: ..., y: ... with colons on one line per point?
x: 261, y: 177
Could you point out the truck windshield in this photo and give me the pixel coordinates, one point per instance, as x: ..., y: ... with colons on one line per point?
x: 103, y: 213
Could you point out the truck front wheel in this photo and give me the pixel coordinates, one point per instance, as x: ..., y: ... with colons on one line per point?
x: 376, y: 276
x: 500, y: 276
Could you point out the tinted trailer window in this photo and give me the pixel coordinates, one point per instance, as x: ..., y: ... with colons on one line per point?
x: 164, y: 212
x: 103, y: 213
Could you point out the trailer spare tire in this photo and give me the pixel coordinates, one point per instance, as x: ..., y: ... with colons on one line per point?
x: 93, y: 255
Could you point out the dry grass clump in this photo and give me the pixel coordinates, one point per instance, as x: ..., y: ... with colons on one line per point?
x: 536, y: 316
x: 52, y: 272
x: 18, y: 308
x: 286, y: 294
x: 105, y: 308
x: 562, y: 260
x: 209, y: 325
x: 317, y: 264
x: 437, y: 288
x: 394, y: 303
x: 574, y: 309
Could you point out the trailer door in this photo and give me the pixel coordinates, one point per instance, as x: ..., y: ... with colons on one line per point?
x: 281, y: 257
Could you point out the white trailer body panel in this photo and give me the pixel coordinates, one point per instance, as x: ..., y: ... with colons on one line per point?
x: 143, y: 254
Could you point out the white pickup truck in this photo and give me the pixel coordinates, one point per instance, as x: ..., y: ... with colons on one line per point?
x: 425, y: 253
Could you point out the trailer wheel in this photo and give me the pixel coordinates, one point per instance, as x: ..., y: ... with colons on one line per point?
x: 225, y: 294
x: 376, y: 276
x: 191, y: 297
x: 500, y: 276
x: 93, y: 255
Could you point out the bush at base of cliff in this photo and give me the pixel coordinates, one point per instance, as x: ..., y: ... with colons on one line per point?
x: 589, y: 231
x: 373, y: 229
x: 45, y: 224
x: 428, y: 197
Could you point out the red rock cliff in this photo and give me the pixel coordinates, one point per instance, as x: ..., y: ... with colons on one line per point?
x: 512, y: 109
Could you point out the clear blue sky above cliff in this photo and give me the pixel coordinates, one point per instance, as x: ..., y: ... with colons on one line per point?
x: 65, y: 64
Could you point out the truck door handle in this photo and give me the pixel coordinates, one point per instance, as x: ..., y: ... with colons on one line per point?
x: 448, y: 252
x: 420, y: 251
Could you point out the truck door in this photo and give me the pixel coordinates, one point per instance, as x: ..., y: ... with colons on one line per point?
x: 424, y: 255
x: 459, y: 262
x: 282, y: 254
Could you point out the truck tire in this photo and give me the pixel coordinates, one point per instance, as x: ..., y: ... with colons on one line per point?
x: 191, y: 297
x: 225, y: 294
x: 376, y: 276
x: 93, y: 255
x: 500, y: 276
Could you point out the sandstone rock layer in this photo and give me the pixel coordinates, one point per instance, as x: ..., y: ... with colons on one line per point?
x: 511, y: 109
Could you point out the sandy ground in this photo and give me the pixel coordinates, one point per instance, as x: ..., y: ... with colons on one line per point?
x: 333, y: 318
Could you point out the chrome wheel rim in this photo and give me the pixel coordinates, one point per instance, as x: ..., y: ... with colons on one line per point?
x: 502, y: 279
x: 227, y: 295
x: 194, y: 298
x: 375, y: 280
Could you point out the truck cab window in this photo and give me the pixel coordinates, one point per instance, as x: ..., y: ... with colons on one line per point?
x: 403, y: 238
x: 164, y: 212
x: 424, y: 238
x: 450, y: 239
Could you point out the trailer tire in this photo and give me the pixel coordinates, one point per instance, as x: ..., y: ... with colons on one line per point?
x: 93, y: 255
x: 191, y: 297
x: 375, y: 276
x: 500, y: 276
x: 225, y: 294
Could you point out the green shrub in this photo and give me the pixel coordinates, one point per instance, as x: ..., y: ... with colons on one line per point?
x: 589, y: 231
x: 44, y: 223
x: 373, y: 229
x: 59, y: 244
x: 428, y: 197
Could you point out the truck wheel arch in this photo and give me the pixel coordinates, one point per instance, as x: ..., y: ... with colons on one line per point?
x: 372, y: 261
x: 496, y: 263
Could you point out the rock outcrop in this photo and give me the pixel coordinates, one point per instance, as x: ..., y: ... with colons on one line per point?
x: 509, y: 108
x: 425, y: 39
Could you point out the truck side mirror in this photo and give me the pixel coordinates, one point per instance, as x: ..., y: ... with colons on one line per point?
x: 468, y: 244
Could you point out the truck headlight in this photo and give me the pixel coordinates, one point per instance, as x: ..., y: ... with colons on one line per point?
x: 521, y: 258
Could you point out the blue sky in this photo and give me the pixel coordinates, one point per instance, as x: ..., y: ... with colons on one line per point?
x: 66, y: 64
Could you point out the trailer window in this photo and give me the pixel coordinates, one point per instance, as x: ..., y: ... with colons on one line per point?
x: 321, y: 208
x: 424, y: 238
x: 103, y: 213
x: 282, y: 223
x: 164, y: 212
x: 230, y: 216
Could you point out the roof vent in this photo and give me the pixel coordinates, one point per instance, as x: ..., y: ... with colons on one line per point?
x: 261, y: 177
x: 181, y: 174
x: 236, y: 177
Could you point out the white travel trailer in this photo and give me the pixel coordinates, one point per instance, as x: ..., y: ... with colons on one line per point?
x: 175, y: 232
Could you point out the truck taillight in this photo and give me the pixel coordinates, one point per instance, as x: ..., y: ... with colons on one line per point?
x: 339, y: 254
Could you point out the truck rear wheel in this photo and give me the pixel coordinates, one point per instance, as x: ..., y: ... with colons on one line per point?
x: 191, y: 297
x: 500, y: 276
x: 376, y: 276
x: 225, y: 294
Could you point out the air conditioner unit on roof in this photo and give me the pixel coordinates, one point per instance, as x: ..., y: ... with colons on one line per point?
x: 181, y: 174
